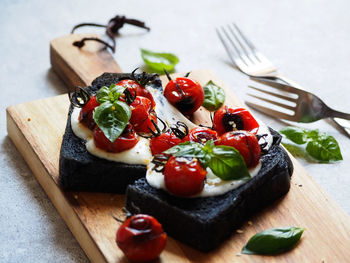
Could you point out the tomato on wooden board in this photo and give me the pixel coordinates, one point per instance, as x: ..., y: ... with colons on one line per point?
x: 125, y: 141
x: 184, y: 176
x: 245, y: 142
x: 228, y: 119
x: 185, y: 94
x: 141, y: 238
x: 86, y: 113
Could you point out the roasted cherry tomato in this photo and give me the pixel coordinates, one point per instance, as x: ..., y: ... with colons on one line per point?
x: 185, y: 94
x: 245, y: 142
x: 140, y: 110
x: 163, y: 142
x: 125, y: 141
x: 85, y: 116
x: 228, y: 119
x: 141, y: 238
x: 201, y: 135
x: 133, y: 87
x: 147, y: 124
x: 184, y: 176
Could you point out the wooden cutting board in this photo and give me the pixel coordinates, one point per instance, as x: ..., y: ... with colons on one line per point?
x: 37, y: 127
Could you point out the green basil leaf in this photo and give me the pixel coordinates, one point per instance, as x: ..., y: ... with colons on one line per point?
x: 273, y: 241
x: 324, y: 148
x: 112, y: 118
x: 214, y: 96
x: 187, y: 149
x: 159, y: 61
x: 227, y: 163
x: 320, y: 146
x: 295, y: 134
x: 110, y: 94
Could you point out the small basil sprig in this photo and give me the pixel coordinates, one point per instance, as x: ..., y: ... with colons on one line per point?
x: 159, y: 61
x: 225, y: 161
x: 110, y: 94
x: 273, y: 241
x: 321, y: 146
x: 112, y: 115
x: 214, y: 96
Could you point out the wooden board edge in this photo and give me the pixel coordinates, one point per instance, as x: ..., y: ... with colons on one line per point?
x: 55, y: 60
x: 53, y: 191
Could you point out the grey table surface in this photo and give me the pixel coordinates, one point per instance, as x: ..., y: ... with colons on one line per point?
x: 307, y: 40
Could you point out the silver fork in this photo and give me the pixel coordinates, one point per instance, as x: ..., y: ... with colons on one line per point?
x: 308, y: 107
x: 253, y: 63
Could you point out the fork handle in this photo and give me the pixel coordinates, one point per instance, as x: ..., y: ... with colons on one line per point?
x: 338, y: 114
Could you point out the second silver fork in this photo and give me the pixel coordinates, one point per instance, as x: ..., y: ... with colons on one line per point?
x: 245, y: 56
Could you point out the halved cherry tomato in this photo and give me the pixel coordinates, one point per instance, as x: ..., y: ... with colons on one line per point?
x: 86, y: 113
x: 163, y: 142
x: 228, y: 119
x: 184, y: 176
x: 245, y: 142
x: 125, y: 141
x: 201, y: 135
x: 133, y: 87
x: 141, y: 238
x: 185, y: 94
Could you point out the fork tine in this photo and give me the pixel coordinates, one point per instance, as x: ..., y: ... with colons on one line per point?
x: 274, y: 94
x: 273, y: 113
x: 240, y: 43
x: 247, y: 41
x: 277, y: 85
x: 241, y: 56
x: 273, y: 102
x: 228, y: 50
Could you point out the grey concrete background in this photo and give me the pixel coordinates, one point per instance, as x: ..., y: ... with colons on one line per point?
x: 307, y: 40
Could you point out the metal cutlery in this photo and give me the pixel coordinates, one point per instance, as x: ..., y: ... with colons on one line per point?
x: 245, y: 56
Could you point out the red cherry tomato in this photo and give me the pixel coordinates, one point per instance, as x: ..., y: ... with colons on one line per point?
x: 201, y: 135
x: 185, y: 94
x: 228, y: 119
x: 125, y: 141
x: 245, y: 142
x: 163, y: 142
x: 183, y: 176
x: 143, y: 127
x: 141, y: 238
x: 85, y: 116
x: 140, y: 110
x: 133, y: 87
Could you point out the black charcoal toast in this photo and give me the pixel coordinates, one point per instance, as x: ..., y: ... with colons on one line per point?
x: 81, y: 171
x: 204, y: 223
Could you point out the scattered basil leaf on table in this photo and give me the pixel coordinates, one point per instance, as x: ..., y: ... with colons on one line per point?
x: 159, y: 61
x: 214, y: 96
x: 321, y: 146
x: 112, y: 118
x: 295, y: 134
x: 273, y: 241
x: 225, y: 161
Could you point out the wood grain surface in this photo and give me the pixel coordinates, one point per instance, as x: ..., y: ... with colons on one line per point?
x: 37, y: 127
